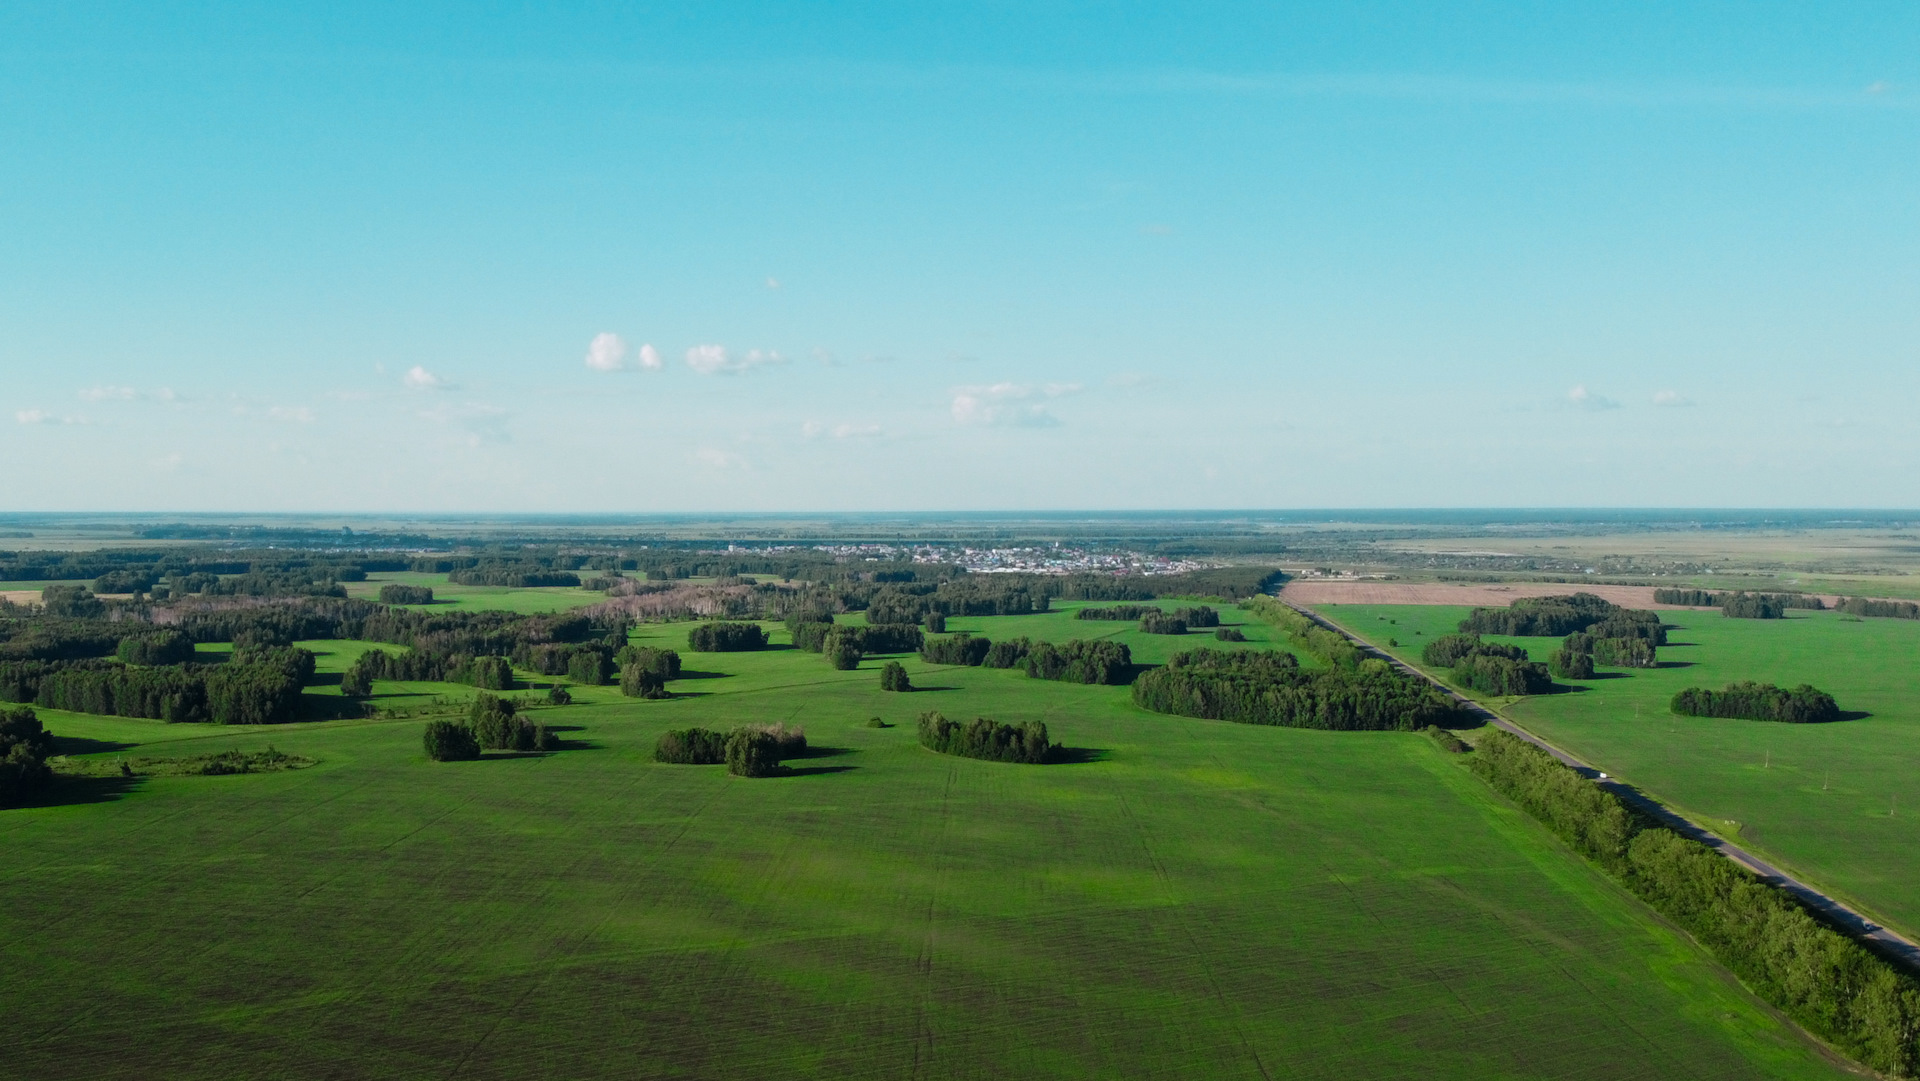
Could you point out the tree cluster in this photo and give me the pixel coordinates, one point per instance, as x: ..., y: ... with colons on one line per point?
x: 1097, y: 661
x: 986, y: 739
x: 1542, y: 616
x: 25, y: 746
x: 893, y: 677
x: 165, y: 646
x: 498, y: 726
x: 726, y: 638
x: 259, y: 689
x: 1492, y: 674
x: 1700, y: 598
x: 1449, y: 649
x: 395, y: 593
x: 1861, y: 606
x: 747, y: 751
x: 1200, y: 616
x: 1751, y: 701
x: 1838, y: 989
x: 450, y: 741
x: 960, y: 648
x: 517, y: 575
x: 1158, y: 622
x: 1262, y: 687
x: 1229, y: 634
x: 1125, y: 613
x: 1305, y: 634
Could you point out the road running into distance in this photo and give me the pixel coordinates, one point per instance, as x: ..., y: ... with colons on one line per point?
x: 1884, y: 940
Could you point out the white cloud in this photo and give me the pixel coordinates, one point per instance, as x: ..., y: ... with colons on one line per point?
x: 108, y: 393
x: 716, y: 360
x: 418, y: 378
x: 773, y: 283
x: 1583, y: 398
x: 1879, y: 86
x: 1008, y: 405
x: 650, y: 358
x: 713, y: 458
x: 813, y: 429
x: 33, y: 416
x: 1671, y: 399
x: 607, y: 352
x: 298, y: 414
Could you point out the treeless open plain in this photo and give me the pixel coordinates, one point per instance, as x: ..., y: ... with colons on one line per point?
x: 1481, y: 594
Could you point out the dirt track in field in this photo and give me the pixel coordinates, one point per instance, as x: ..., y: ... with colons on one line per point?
x: 1487, y: 595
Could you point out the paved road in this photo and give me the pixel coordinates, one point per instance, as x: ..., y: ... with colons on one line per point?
x: 1886, y: 941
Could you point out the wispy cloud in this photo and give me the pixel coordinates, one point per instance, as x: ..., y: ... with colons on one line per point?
x: 716, y: 360
x: 1671, y: 399
x: 1008, y: 405
x: 419, y: 378
x: 1582, y: 398
x: 814, y: 429
x: 108, y: 394
x: 41, y: 416
x: 296, y: 414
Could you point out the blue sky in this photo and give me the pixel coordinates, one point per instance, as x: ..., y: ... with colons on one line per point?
x: 842, y: 257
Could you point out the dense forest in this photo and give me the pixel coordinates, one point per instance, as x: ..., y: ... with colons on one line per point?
x: 1260, y: 687
x: 1758, y: 702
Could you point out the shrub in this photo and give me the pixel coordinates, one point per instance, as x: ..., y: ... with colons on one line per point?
x: 1448, y: 742
x: 559, y: 696
x: 1229, y: 634
x: 961, y: 648
x: 985, y: 739
x: 395, y: 593
x: 1156, y: 622
x: 639, y: 682
x: 356, y: 683
x: 169, y: 646
x: 447, y: 741
x: 1759, y: 702
x: 691, y: 747
x: 752, y: 753
x: 893, y: 677
x: 726, y: 638
x: 875, y: 722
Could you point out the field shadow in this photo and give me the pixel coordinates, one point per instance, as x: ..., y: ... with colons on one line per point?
x: 928, y: 690
x: 691, y: 673
x: 326, y: 679
x: 331, y: 707
x: 63, y: 791
x: 671, y: 695
x: 83, y: 745
x: 1853, y: 715
x: 1074, y: 756
x: 809, y: 771
x: 1676, y: 664
x: 824, y: 752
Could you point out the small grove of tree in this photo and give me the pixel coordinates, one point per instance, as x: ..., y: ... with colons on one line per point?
x: 1158, y: 622
x: 449, y: 741
x: 1563, y: 663
x: 1861, y: 606
x: 1202, y: 616
x: 841, y: 651
x: 590, y: 667
x: 261, y: 688
x: 1448, y: 742
x: 1007, y: 653
x: 1229, y: 634
x: 1263, y: 687
x: 637, y: 681
x: 893, y: 677
x: 1753, y: 606
x: 726, y: 638
x: 25, y: 746
x: 664, y: 663
x: 518, y: 575
x: 1100, y: 662
x: 1450, y: 649
x: 936, y: 623
x: 1535, y: 616
x: 1490, y: 674
x: 873, y: 638
x: 559, y: 696
x: 1700, y: 598
x: 747, y: 751
x: 395, y: 593
x: 166, y: 646
x: 1841, y: 991
x: 1759, y: 702
x: 1124, y: 613
x: 691, y: 747
x: 487, y: 673
x: 498, y: 726
x: 961, y: 648
x: 986, y: 739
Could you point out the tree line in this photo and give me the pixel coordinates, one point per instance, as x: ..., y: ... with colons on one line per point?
x: 260, y: 688
x: 1086, y: 661
x: 517, y: 575
x: 1861, y: 606
x: 726, y: 638
x: 1700, y: 598
x: 754, y: 750
x: 395, y: 593
x: 1752, y: 701
x: 1837, y: 988
x: 986, y: 739
x: 1264, y: 687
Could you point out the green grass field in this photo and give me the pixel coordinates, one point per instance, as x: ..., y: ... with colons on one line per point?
x: 1838, y: 803
x: 1195, y: 899
x: 497, y: 598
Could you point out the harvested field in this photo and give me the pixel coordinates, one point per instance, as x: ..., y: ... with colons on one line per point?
x: 1477, y: 594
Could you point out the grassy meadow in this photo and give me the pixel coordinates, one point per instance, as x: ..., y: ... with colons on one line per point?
x: 1186, y: 899
x: 1838, y: 803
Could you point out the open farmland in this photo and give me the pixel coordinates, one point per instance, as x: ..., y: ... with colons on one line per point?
x: 1188, y: 898
x: 1829, y: 802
